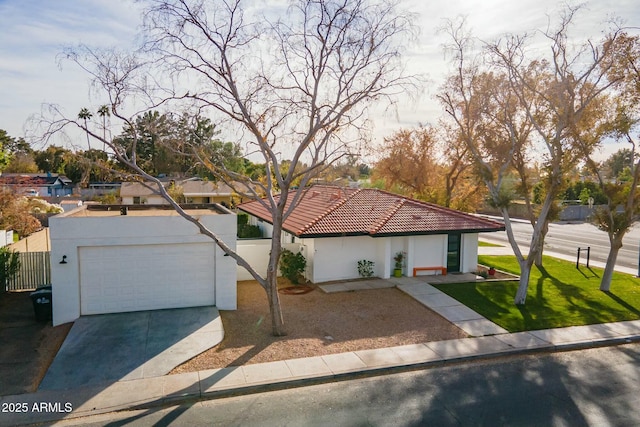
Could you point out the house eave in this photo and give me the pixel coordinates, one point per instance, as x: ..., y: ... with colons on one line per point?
x: 324, y: 235
x: 399, y: 234
x: 436, y: 232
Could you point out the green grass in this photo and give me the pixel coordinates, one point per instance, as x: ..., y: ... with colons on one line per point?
x: 559, y: 295
x: 487, y: 244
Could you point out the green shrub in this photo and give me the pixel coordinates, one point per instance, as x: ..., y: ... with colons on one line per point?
x: 365, y: 268
x: 247, y: 231
x: 9, y: 266
x: 243, y: 219
x: 110, y: 198
x: 292, y: 265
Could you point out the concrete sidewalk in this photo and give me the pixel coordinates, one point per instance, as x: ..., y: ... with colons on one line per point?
x: 49, y: 405
x: 487, y: 340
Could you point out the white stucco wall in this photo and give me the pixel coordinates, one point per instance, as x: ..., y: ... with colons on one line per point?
x: 469, y: 253
x: 427, y: 251
x: 256, y: 253
x: 307, y: 246
x: 69, y: 233
x: 336, y: 258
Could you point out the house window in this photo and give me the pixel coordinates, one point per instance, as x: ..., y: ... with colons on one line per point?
x: 136, y: 200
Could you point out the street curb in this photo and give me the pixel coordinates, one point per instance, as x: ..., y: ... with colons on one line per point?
x: 285, y: 384
x: 384, y: 370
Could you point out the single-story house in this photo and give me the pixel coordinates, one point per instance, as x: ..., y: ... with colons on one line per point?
x: 110, y: 259
x: 194, y: 191
x: 37, y: 185
x: 336, y: 227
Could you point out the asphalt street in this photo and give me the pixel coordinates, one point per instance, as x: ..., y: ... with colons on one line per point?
x: 566, y: 238
x: 595, y: 387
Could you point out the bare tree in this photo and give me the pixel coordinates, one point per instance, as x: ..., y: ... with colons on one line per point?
x: 555, y: 95
x: 482, y: 108
x: 547, y: 96
x: 299, y: 88
x: 616, y: 115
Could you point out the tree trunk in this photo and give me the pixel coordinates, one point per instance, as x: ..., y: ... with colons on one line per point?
x: 277, y: 321
x: 543, y: 235
x: 525, y: 263
x: 616, y: 244
x: 523, y: 284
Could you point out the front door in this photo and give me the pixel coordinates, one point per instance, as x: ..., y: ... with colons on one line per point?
x: 453, y: 253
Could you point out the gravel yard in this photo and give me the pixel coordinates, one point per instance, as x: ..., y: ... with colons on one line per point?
x: 318, y: 323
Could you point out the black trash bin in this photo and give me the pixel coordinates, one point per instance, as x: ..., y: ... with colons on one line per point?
x: 41, y: 299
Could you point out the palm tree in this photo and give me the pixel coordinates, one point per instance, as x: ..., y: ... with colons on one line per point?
x: 85, y: 115
x: 103, y: 112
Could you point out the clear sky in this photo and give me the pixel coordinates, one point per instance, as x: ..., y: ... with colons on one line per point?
x: 34, y: 32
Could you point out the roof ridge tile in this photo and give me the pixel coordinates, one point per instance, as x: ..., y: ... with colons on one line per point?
x: 326, y: 212
x: 389, y: 214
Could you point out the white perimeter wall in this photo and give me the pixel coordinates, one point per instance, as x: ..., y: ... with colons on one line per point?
x: 256, y: 253
x: 69, y: 233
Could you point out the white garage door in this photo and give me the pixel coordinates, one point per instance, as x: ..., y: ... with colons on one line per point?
x: 116, y: 279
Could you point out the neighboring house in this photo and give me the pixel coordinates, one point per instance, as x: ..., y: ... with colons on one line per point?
x: 336, y: 227
x: 194, y: 191
x: 108, y: 260
x: 37, y: 185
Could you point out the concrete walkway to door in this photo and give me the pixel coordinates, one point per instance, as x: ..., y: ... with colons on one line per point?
x: 108, y: 348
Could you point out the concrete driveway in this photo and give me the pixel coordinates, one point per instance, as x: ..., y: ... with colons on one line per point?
x: 108, y: 348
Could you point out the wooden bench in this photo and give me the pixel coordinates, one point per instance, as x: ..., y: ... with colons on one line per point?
x: 443, y: 270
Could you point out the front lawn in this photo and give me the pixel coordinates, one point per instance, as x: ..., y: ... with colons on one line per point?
x: 487, y: 244
x: 559, y: 295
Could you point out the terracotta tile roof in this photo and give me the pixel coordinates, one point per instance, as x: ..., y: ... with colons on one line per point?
x: 326, y: 211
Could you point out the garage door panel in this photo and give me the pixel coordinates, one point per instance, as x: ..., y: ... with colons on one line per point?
x: 146, y: 277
